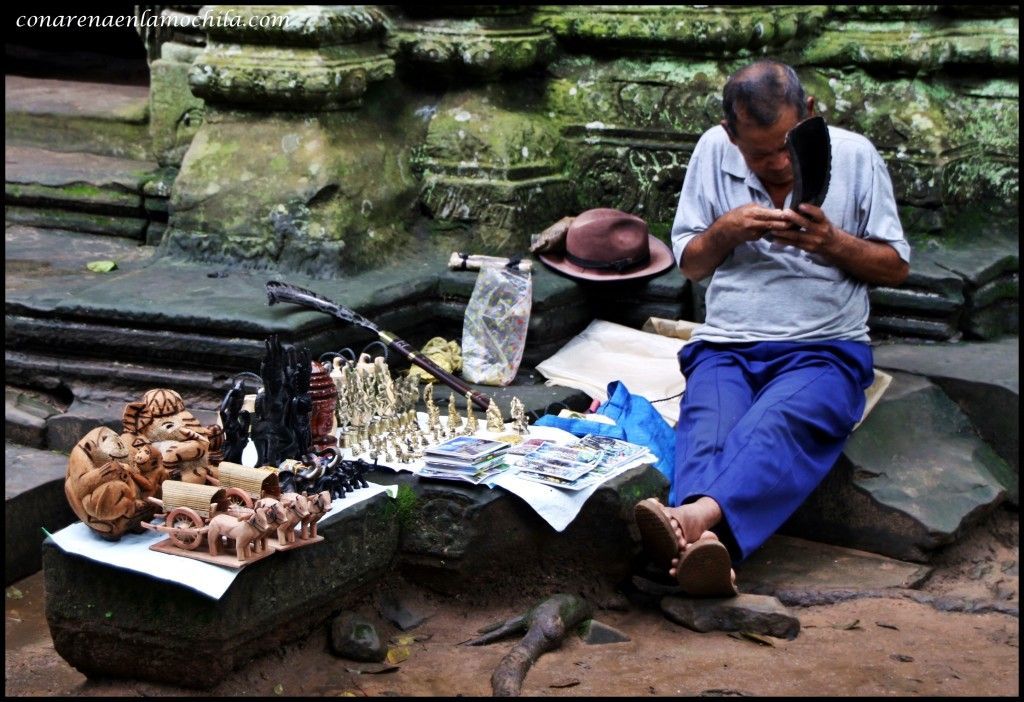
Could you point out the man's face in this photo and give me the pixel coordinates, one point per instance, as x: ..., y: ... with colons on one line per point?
x: 764, y: 148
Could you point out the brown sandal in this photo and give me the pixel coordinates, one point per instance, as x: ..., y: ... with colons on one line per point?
x: 656, y: 532
x: 704, y: 570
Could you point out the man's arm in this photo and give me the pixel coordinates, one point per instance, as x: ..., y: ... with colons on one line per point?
x: 705, y: 252
x: 873, y: 262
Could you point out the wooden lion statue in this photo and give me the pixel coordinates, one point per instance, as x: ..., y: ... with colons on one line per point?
x: 181, y: 441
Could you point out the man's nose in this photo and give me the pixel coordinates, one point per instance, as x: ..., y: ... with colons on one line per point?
x: 779, y: 160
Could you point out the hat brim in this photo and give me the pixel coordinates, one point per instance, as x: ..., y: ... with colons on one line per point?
x: 661, y: 260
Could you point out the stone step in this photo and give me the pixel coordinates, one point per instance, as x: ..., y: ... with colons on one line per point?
x: 92, y: 118
x: 81, y: 192
x: 33, y: 500
x: 202, y: 316
x: 911, y: 478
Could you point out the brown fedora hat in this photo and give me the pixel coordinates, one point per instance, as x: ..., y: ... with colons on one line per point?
x: 607, y: 244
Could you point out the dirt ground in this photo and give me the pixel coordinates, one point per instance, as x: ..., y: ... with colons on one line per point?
x: 956, y: 636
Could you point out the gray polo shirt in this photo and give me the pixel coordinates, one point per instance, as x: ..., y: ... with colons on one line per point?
x: 767, y: 291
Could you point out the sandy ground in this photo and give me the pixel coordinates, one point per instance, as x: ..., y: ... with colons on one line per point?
x: 895, y: 645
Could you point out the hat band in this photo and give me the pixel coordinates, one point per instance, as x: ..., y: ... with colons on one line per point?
x: 618, y: 266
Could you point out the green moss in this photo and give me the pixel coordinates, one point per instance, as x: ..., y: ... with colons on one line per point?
x: 403, y: 508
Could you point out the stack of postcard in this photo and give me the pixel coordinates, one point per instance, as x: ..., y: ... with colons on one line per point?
x: 467, y: 458
x: 578, y: 465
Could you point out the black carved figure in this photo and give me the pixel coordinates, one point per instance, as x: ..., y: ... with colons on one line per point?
x: 280, y: 427
x: 236, y: 422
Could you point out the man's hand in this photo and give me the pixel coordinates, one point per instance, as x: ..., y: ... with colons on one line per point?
x: 873, y: 262
x: 812, y: 231
x: 750, y: 223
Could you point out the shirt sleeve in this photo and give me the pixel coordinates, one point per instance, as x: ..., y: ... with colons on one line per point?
x: 878, y: 210
x: 694, y: 213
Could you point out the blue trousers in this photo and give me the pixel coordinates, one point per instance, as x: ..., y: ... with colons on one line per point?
x: 760, y: 425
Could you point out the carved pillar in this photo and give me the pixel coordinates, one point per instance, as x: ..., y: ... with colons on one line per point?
x: 491, y: 168
x: 643, y: 85
x: 294, y: 167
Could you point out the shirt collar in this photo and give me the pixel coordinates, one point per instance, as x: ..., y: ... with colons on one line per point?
x: 733, y: 163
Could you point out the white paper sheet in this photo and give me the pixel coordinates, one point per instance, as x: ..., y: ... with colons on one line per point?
x: 132, y: 551
x: 646, y: 363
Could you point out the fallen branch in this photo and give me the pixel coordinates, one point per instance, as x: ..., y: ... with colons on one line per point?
x: 546, y: 626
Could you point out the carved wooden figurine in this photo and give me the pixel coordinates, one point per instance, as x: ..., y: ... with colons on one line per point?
x: 100, y: 485
x: 243, y: 528
x: 297, y: 509
x: 183, y: 443
x: 318, y: 505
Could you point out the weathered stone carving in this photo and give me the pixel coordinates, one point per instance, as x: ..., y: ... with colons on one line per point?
x: 479, y: 41
x: 291, y: 57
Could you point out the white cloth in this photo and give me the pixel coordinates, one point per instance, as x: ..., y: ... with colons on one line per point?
x: 646, y: 363
x: 132, y: 551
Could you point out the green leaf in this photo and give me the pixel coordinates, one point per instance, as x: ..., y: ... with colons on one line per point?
x: 101, y: 266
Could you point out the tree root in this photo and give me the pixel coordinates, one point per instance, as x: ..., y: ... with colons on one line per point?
x: 546, y: 626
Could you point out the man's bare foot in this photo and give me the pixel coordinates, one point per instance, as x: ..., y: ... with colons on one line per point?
x: 692, y: 520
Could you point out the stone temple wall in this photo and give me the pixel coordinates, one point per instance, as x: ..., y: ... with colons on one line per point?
x: 355, y: 134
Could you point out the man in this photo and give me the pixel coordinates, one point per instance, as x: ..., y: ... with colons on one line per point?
x: 775, y: 377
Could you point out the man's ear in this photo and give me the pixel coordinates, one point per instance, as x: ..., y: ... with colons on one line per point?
x: 728, y: 131
x: 810, y: 105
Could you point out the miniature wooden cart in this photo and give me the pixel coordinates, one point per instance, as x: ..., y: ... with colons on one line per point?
x: 187, y: 510
x: 243, y: 485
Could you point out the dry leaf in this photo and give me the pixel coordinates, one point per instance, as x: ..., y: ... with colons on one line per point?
x: 279, y: 689
x: 397, y: 654
x: 751, y: 636
x: 14, y: 593
x: 404, y: 640
x: 887, y: 626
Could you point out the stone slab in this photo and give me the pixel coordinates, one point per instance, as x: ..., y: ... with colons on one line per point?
x: 33, y: 500
x: 108, y: 615
x: 909, y: 480
x: 756, y: 614
x: 25, y: 418
x: 109, y: 101
x: 26, y: 165
x: 982, y: 377
x: 451, y: 541
x: 77, y: 116
x: 799, y: 572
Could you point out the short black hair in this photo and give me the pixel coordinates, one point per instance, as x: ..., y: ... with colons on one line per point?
x: 762, y: 89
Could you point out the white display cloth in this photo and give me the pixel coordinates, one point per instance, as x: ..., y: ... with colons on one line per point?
x: 646, y: 363
x: 132, y: 551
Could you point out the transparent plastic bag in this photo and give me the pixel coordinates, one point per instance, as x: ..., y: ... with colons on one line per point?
x: 494, y: 330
